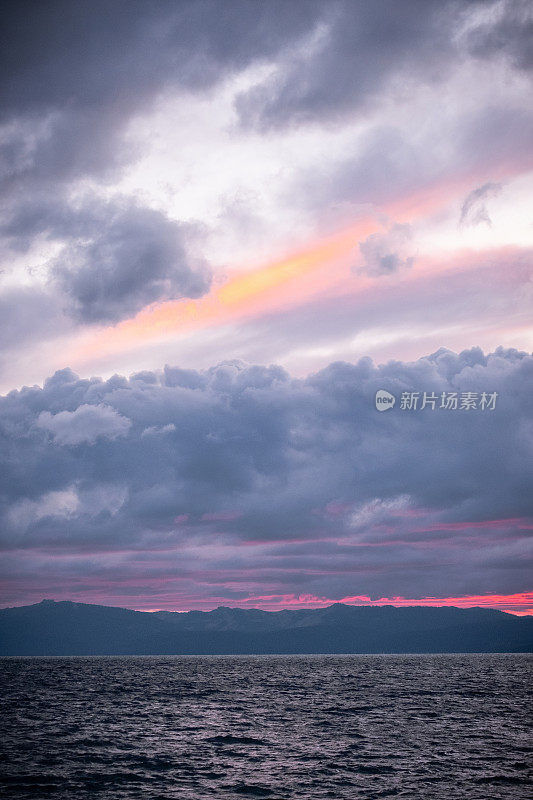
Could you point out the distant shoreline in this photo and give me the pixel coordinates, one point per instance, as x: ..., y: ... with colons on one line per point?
x: 78, y: 629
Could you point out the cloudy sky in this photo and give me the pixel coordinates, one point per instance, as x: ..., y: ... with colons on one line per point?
x: 224, y: 227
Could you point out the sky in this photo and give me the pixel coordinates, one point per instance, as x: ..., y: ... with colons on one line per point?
x: 224, y: 227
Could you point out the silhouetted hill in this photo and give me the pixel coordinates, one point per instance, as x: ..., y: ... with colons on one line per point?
x: 67, y: 628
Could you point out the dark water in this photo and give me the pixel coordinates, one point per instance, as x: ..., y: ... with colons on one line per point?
x: 449, y: 726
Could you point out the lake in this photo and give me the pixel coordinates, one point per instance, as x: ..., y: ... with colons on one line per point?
x: 421, y: 727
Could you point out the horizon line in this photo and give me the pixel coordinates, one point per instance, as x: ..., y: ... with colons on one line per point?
x: 302, y: 607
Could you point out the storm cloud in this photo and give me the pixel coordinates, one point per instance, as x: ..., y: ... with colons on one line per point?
x: 65, y: 105
x: 115, y: 257
x: 358, y: 48
x: 289, y: 483
x: 137, y: 257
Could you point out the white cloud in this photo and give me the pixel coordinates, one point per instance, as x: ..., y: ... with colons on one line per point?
x: 84, y: 425
x: 62, y: 504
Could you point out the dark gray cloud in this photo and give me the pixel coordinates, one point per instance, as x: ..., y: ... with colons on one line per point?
x: 507, y: 32
x: 136, y: 256
x: 355, y: 52
x: 358, y: 47
x: 74, y: 73
x: 474, y: 210
x: 381, y: 503
x: 116, y: 257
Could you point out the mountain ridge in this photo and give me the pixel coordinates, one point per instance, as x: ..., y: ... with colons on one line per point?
x: 65, y: 627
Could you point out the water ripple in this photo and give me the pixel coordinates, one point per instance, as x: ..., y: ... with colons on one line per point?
x: 272, y: 727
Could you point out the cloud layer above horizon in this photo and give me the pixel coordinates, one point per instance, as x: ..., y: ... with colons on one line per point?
x: 187, y: 488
